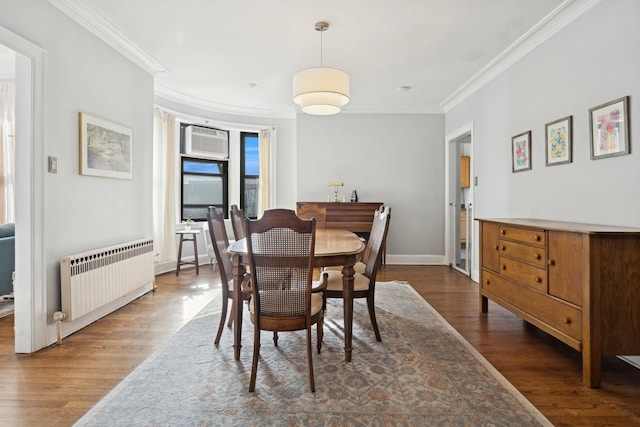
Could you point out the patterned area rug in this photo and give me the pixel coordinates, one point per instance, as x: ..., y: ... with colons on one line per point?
x: 423, y: 373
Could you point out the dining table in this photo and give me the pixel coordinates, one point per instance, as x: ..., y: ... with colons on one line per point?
x: 332, y: 248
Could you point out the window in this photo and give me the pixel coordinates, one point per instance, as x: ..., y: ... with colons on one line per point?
x: 204, y: 184
x: 207, y: 179
x: 249, y: 173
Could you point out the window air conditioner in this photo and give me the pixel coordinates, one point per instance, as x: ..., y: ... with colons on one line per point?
x: 205, y: 142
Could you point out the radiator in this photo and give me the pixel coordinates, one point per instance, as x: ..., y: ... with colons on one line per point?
x: 95, y: 278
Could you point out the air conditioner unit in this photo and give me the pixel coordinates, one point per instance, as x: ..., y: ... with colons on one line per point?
x: 205, y: 142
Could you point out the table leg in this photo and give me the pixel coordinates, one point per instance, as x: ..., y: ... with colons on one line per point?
x: 179, y: 255
x: 238, y: 274
x: 347, y: 293
x: 195, y: 252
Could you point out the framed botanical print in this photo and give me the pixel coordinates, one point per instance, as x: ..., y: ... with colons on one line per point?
x: 521, y: 152
x: 609, y: 129
x: 558, y: 141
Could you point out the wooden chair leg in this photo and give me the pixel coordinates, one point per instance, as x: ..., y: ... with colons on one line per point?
x: 233, y: 312
x: 256, y: 353
x: 320, y: 333
x: 310, y: 360
x: 223, y: 317
x: 372, y: 315
x: 275, y: 338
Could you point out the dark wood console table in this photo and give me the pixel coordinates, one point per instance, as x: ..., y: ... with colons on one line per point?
x: 356, y: 217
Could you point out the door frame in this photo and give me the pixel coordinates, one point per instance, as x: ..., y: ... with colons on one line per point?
x: 30, y: 291
x: 451, y: 178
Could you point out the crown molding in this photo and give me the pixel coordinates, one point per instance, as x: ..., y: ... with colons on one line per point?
x: 427, y: 109
x: 559, y: 18
x: 94, y: 22
x: 165, y: 93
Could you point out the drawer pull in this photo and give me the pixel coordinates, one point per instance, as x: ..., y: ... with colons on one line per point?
x: 538, y: 279
x: 551, y: 262
x: 504, y: 267
x: 487, y: 282
x: 567, y: 320
x: 497, y: 247
x: 503, y: 231
x: 536, y: 238
x: 537, y: 256
x: 504, y: 248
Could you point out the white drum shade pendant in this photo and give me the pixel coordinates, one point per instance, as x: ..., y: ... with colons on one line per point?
x: 321, y: 91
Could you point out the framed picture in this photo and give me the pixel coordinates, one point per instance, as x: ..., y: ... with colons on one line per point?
x: 558, y: 138
x: 609, y: 129
x: 521, y: 152
x: 106, y: 148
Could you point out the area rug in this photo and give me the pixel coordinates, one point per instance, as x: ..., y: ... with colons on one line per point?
x: 423, y: 373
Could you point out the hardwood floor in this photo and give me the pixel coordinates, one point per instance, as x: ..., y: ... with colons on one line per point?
x: 57, y: 385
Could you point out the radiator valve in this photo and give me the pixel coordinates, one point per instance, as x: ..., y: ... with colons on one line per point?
x: 59, y: 316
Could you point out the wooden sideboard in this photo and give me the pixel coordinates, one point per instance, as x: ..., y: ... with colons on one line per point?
x: 356, y: 217
x: 578, y: 282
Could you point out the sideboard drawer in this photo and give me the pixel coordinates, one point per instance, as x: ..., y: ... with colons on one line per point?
x: 530, y: 254
x: 524, y: 235
x: 555, y: 313
x: 528, y: 275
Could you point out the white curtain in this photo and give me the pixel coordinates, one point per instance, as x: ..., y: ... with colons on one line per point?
x: 7, y: 152
x: 265, y: 181
x: 164, y: 215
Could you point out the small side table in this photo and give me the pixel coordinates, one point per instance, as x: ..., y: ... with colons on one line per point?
x: 188, y: 236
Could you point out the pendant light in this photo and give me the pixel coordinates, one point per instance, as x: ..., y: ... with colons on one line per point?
x: 321, y: 91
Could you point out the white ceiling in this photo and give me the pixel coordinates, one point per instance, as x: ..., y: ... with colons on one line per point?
x: 215, y: 51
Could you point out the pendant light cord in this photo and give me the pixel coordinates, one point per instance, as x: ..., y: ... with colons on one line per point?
x: 321, y: 48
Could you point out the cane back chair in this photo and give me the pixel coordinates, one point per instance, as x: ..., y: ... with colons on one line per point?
x: 280, y: 249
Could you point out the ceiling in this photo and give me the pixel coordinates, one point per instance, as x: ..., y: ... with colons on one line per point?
x: 241, y: 55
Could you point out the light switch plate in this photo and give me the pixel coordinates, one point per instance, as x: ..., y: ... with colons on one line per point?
x: 53, y: 164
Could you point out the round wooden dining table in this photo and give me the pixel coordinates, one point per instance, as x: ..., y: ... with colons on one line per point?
x: 333, y: 248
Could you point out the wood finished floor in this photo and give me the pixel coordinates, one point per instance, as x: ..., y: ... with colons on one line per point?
x: 57, y: 385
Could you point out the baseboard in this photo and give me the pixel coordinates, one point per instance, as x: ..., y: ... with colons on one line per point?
x: 416, y: 260
x: 167, y: 266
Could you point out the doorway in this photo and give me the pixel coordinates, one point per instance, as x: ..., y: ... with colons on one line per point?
x: 30, y: 311
x: 7, y: 177
x: 459, y: 215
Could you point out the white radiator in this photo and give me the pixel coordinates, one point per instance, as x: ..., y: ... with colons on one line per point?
x: 95, y: 278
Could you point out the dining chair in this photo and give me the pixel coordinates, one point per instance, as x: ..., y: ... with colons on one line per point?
x: 280, y: 248
x: 311, y: 210
x: 237, y: 222
x: 364, y: 284
x: 220, y: 243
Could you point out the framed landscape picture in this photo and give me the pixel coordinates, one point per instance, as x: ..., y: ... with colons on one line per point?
x: 106, y: 148
x: 521, y: 152
x: 609, y: 129
x: 558, y: 138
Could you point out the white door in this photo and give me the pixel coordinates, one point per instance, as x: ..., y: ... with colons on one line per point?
x: 459, y: 190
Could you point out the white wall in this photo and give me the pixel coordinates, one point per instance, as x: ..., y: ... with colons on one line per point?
x: 397, y: 159
x: 590, y: 62
x: 82, y: 73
